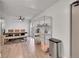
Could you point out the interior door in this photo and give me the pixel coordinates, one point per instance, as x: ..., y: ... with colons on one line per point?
x: 75, y: 30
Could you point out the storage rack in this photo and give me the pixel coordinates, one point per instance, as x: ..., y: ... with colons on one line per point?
x: 44, y: 23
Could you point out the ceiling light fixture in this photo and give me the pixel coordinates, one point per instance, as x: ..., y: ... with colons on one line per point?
x: 21, y: 18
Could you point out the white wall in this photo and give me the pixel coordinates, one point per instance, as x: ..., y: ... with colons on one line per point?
x: 61, y: 23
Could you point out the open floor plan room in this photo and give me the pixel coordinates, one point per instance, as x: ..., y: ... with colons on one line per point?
x: 39, y: 28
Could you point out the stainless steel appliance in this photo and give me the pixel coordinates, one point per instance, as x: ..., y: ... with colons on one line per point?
x: 75, y: 29
x: 55, y: 50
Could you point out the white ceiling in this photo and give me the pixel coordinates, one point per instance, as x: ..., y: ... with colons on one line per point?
x: 28, y: 8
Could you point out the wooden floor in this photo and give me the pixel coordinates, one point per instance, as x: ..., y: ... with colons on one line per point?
x: 24, y: 49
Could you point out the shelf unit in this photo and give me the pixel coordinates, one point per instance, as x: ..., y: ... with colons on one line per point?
x: 44, y: 24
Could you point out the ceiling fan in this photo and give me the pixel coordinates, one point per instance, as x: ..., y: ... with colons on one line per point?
x: 21, y: 18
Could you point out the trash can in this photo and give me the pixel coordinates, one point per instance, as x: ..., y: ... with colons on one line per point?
x: 55, y: 48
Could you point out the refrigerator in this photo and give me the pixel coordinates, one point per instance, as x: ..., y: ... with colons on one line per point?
x: 74, y: 47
